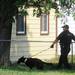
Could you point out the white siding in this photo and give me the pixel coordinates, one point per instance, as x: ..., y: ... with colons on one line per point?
x: 33, y: 43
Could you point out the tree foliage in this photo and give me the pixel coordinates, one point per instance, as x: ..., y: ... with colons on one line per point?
x: 8, y: 8
x: 43, y: 6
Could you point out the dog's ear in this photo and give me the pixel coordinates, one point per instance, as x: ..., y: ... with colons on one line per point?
x: 22, y: 56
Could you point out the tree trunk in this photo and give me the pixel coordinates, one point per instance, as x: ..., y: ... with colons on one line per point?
x: 8, y: 9
x: 5, y: 36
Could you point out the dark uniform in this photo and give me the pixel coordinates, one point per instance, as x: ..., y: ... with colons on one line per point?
x: 65, y: 38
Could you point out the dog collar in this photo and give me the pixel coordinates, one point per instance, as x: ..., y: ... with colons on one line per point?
x: 25, y: 60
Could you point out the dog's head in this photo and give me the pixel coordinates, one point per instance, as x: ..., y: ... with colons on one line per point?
x: 21, y: 60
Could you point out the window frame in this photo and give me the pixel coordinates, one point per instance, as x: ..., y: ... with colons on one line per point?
x: 21, y: 32
x: 44, y: 32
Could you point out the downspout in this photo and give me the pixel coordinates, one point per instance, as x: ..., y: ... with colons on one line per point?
x: 56, y: 32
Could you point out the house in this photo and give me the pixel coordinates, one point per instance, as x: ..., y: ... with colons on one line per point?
x: 32, y: 36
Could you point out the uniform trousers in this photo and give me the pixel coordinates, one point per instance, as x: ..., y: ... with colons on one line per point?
x: 63, y: 60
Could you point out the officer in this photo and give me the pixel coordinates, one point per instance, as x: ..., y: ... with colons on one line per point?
x: 65, y: 38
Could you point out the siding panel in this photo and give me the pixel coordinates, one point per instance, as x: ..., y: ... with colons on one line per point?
x: 33, y: 43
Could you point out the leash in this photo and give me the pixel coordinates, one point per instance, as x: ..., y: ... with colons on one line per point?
x: 41, y: 51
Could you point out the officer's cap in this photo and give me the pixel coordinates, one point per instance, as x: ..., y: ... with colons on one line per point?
x: 65, y: 26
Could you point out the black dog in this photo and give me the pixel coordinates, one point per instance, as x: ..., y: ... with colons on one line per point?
x: 32, y: 62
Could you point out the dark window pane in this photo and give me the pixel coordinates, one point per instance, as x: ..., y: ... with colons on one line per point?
x: 20, y: 23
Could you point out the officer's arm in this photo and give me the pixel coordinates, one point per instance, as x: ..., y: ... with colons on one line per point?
x: 55, y: 41
x: 73, y: 37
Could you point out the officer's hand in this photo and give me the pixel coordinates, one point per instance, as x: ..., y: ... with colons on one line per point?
x: 52, y: 46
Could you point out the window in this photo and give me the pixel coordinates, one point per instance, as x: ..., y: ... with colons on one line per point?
x: 44, y: 24
x: 21, y: 25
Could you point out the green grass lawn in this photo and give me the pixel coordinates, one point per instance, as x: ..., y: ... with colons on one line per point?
x: 19, y: 70
x: 35, y: 72
x: 23, y: 70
